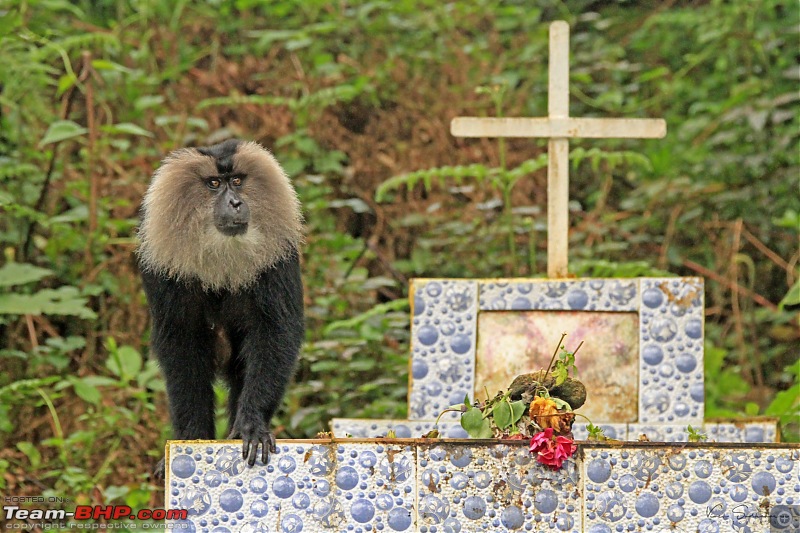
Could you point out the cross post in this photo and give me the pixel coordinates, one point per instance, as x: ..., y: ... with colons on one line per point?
x: 558, y: 127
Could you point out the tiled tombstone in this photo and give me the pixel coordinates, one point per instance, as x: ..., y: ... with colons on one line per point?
x: 642, y: 357
x: 429, y: 486
x: 643, y: 339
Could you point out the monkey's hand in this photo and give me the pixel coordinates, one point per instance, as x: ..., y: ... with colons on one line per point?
x: 253, y: 435
x: 158, y: 471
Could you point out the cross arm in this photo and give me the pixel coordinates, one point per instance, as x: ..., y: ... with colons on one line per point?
x: 622, y: 128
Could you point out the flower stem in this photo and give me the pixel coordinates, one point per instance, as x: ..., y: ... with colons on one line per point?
x: 552, y: 359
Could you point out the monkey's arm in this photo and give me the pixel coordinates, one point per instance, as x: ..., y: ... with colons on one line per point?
x: 269, y: 353
x: 182, y: 341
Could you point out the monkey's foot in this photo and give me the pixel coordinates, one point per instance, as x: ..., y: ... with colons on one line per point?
x: 252, y: 436
x: 158, y: 471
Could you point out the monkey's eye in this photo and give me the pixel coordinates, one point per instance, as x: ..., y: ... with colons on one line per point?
x: 213, y: 183
x: 236, y: 181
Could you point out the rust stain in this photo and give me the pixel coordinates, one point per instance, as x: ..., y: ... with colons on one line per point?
x: 432, y: 486
x: 390, y: 453
x: 683, y: 301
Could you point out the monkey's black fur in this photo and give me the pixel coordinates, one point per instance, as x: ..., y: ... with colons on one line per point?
x: 250, y: 336
x: 222, y: 153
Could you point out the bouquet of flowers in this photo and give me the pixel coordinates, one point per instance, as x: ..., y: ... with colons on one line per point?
x: 538, y: 406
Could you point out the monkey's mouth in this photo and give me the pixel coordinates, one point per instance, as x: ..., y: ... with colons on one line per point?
x: 232, y: 229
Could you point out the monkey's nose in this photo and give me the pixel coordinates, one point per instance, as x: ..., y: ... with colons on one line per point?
x: 235, y: 203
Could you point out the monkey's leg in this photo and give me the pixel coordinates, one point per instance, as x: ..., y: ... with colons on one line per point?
x: 269, y: 358
x: 188, y: 367
x: 188, y: 371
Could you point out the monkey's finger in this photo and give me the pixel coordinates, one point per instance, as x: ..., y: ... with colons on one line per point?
x: 251, y: 459
x: 273, y: 447
x: 245, y: 448
x: 264, y: 452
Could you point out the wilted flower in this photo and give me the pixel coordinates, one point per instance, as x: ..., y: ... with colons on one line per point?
x: 552, y: 451
x: 544, y: 412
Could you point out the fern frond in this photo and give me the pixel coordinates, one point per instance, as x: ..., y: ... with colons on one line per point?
x: 380, y: 309
x: 613, y: 159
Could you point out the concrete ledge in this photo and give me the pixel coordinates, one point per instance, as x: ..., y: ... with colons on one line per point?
x: 431, y: 486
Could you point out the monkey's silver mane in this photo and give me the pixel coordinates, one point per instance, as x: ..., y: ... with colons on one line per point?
x: 177, y: 232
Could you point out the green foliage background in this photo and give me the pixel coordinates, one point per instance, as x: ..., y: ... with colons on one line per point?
x: 355, y: 99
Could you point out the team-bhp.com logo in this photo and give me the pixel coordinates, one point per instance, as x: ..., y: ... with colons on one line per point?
x: 90, y: 512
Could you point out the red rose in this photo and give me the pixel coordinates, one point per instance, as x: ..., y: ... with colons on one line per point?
x: 552, y: 451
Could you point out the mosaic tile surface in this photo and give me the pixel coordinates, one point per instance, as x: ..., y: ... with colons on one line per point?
x: 612, y: 431
x: 403, y: 429
x: 671, y: 340
x: 443, y: 332
x: 455, y: 485
x: 305, y: 487
x: 583, y: 295
x: 714, y: 490
x: 749, y: 430
x: 494, y: 488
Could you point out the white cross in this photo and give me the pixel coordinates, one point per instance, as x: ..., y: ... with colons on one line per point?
x: 559, y: 127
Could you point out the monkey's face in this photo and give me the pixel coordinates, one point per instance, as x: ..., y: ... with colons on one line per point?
x: 231, y: 213
x: 221, y: 214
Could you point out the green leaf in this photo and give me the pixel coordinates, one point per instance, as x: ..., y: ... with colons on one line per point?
x: 65, y: 82
x: 751, y: 408
x: 517, y: 410
x: 105, y: 64
x: 125, y: 363
x: 112, y: 492
x: 560, y: 373
x: 126, y: 128
x: 561, y: 404
x: 61, y: 130
x: 502, y: 414
x: 62, y: 301
x: 148, y: 101
x: 785, y: 402
x: 99, y: 381
x: 5, y: 419
x: 21, y: 273
x: 696, y: 435
x: 31, y: 452
x: 792, y: 297
x: 325, y: 366
x: 150, y: 376
x: 475, y: 425
x: 138, y: 498
x: 85, y: 391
